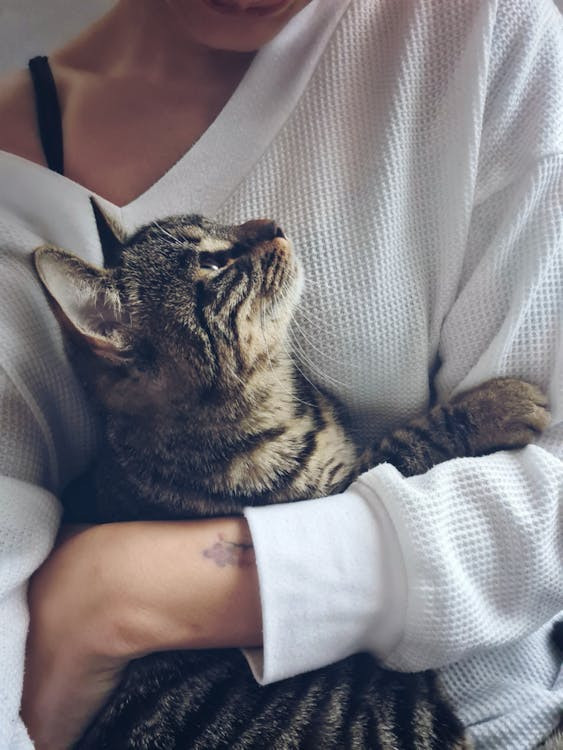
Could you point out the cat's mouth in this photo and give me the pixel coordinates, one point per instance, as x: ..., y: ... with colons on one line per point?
x: 278, y: 266
x: 281, y: 280
x: 272, y: 249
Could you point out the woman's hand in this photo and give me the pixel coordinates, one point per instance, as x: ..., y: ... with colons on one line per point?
x: 111, y: 593
x: 73, y: 656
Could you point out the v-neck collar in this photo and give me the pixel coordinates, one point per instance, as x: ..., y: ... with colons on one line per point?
x: 204, y: 178
x: 208, y: 173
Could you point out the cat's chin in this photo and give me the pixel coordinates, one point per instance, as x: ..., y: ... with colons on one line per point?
x: 279, y: 308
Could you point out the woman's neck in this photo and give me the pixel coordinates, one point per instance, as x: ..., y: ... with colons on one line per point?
x: 144, y: 41
x: 136, y: 93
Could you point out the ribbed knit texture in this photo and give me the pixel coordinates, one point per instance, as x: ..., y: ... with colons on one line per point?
x: 419, y: 171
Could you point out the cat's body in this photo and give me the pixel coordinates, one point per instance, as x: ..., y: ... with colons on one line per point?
x: 217, y: 463
x: 184, y: 345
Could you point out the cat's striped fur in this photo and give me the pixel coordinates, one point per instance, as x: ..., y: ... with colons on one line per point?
x: 183, y: 342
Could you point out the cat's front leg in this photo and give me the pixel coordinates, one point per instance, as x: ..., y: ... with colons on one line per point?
x: 499, y: 414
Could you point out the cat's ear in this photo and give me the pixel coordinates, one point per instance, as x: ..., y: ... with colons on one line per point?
x: 86, y: 303
x: 111, y: 238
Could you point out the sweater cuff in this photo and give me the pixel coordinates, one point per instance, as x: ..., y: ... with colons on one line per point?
x: 332, y: 582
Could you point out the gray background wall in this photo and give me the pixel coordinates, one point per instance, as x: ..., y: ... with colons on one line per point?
x: 31, y: 27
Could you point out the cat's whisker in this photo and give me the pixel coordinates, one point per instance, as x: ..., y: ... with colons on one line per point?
x: 298, y: 350
x: 236, y: 377
x: 304, y: 376
x: 301, y: 313
x: 310, y: 282
x: 294, y: 323
x: 313, y: 322
x: 312, y: 345
x: 164, y: 231
x: 305, y: 360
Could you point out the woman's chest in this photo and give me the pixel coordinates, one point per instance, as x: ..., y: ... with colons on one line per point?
x: 367, y: 327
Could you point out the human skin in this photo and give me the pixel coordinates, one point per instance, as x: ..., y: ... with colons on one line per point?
x: 108, y: 594
x: 242, y: 25
x: 163, y: 85
x: 114, y: 592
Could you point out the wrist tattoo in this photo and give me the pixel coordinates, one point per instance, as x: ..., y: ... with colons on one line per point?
x: 224, y: 552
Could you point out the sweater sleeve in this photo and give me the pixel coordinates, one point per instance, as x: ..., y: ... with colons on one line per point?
x: 30, y: 516
x: 480, y: 540
x: 44, y: 439
x: 475, y: 544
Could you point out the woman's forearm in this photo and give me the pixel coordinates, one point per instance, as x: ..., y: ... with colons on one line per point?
x: 177, y: 584
x: 108, y: 594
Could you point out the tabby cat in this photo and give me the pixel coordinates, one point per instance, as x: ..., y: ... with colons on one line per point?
x: 182, y: 340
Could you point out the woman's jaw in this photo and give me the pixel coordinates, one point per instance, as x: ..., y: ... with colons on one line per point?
x: 234, y: 25
x: 249, y: 8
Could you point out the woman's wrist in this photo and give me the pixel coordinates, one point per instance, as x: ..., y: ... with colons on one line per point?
x: 180, y: 584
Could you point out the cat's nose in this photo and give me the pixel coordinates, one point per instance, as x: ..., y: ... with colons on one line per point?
x: 262, y: 229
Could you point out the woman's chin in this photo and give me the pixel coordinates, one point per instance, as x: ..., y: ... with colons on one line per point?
x: 234, y: 25
x: 257, y: 9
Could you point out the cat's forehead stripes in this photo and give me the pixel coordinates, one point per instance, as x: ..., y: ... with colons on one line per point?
x: 213, y: 244
x: 208, y: 238
x: 199, y: 234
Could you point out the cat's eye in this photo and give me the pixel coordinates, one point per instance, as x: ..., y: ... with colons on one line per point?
x: 213, y: 261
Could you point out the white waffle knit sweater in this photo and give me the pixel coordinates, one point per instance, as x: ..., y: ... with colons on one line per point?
x: 414, y: 152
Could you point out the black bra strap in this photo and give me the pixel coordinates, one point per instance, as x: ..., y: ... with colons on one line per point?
x: 48, y: 113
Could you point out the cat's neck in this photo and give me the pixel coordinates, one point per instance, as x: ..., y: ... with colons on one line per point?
x: 267, y: 443
x: 235, y: 405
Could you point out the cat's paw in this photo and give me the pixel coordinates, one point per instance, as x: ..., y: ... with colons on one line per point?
x: 503, y: 413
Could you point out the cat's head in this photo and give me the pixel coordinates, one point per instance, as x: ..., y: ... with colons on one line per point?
x: 184, y: 306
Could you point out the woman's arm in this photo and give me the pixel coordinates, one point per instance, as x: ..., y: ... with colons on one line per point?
x: 480, y: 540
x: 111, y: 593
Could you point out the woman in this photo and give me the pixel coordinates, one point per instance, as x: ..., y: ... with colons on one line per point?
x: 414, y: 151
